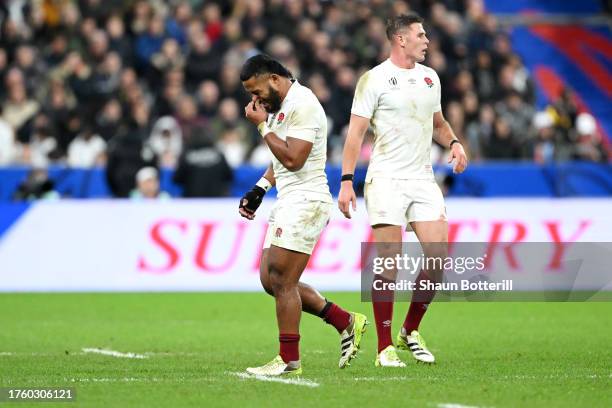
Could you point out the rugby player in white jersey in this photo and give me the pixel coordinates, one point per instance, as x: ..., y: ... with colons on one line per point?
x: 294, y: 126
x: 400, y: 99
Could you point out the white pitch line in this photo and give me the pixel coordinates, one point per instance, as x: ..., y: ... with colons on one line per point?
x: 381, y: 378
x: 454, y: 405
x: 126, y: 379
x: 292, y: 381
x: 113, y: 353
x: 6, y: 353
x: 171, y: 354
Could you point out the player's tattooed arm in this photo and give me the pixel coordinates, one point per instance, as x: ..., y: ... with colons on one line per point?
x: 444, y: 135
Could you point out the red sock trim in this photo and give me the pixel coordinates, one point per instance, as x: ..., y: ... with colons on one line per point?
x: 382, y: 303
x: 419, y: 304
x: 289, y: 346
x: 337, y: 317
x: 383, y: 315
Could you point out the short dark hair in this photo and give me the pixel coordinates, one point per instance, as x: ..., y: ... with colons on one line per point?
x: 395, y: 24
x: 263, y: 64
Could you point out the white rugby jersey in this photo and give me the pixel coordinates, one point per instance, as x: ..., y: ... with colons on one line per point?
x: 301, y: 116
x: 400, y: 104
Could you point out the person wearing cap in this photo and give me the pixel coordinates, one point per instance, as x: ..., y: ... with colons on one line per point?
x: 147, y: 185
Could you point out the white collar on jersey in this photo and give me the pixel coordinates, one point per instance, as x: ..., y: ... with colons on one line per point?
x: 292, y: 90
x: 393, y: 66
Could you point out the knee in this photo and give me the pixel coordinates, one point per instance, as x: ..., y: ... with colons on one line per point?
x: 436, y: 251
x: 388, y: 249
x: 278, y: 281
x: 264, y: 278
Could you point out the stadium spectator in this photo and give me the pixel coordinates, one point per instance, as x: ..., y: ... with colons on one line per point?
x: 108, y: 122
x: 502, y: 144
x: 208, y: 99
x: 19, y: 107
x: 30, y: 65
x: 147, y: 185
x: 70, y: 129
x: 232, y: 146
x: 36, y: 186
x: 43, y: 148
x: 117, y: 41
x: 166, y: 141
x: 188, y: 116
x: 203, y: 61
x: 150, y: 42
x: 202, y: 170
x: 260, y: 156
x: 127, y: 153
x: 8, y: 147
x: 112, y: 65
x: 56, y: 51
x: 168, y: 58
x: 60, y: 108
x: 517, y: 113
x: 479, y: 132
x: 88, y: 149
x: 236, y: 138
x: 589, y: 144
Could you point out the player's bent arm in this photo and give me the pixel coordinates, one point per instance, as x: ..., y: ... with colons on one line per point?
x: 358, y: 126
x: 269, y: 175
x: 292, y: 153
x: 442, y: 131
x: 250, y: 201
x: 444, y: 135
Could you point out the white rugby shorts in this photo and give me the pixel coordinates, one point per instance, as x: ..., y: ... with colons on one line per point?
x: 295, y: 223
x: 400, y: 202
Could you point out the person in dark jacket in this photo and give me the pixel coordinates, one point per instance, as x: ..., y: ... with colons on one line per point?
x: 202, y: 170
x: 127, y: 153
x: 37, y: 186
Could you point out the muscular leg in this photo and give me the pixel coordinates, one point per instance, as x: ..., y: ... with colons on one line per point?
x: 312, y: 301
x: 279, y: 274
x: 285, y: 269
x: 433, y: 236
x: 388, y: 240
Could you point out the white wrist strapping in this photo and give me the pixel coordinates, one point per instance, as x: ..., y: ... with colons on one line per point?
x: 264, y: 183
x: 263, y: 128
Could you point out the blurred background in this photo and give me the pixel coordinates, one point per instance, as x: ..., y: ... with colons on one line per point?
x: 93, y: 91
x: 106, y: 99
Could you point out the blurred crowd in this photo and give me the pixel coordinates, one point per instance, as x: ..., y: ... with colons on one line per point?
x: 132, y: 84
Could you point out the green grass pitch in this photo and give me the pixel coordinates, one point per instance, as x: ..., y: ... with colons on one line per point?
x: 488, y: 354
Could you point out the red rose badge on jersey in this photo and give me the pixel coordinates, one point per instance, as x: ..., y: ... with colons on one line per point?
x: 279, y: 232
x: 280, y: 118
x: 429, y: 82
